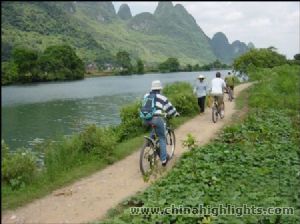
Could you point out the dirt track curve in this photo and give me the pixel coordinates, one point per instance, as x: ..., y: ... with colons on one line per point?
x: 90, y: 198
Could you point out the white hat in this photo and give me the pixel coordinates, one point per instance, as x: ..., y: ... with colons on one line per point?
x: 156, y: 85
x: 201, y: 77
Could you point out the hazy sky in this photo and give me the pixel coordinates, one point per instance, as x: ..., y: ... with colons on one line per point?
x: 263, y: 23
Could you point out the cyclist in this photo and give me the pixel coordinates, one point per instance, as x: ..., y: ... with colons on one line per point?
x: 229, y: 80
x: 162, y: 106
x: 217, y: 90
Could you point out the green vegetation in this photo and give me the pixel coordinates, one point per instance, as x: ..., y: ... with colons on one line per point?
x: 170, y: 65
x: 81, y: 154
x: 213, y: 66
x: 140, y: 67
x: 97, y: 33
x: 55, y: 63
x: 124, y: 61
x: 254, y: 161
x: 258, y: 58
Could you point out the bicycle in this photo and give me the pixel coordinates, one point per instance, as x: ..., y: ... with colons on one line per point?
x: 150, y: 151
x: 215, y: 111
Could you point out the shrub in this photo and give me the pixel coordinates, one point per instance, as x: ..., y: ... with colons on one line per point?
x: 18, y: 168
x: 180, y: 94
x: 131, y: 124
x: 9, y: 73
x: 62, y: 156
x: 98, y: 141
x: 258, y: 58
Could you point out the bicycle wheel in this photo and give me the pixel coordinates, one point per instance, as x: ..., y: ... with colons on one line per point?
x: 170, y: 140
x: 214, y: 114
x: 147, y: 157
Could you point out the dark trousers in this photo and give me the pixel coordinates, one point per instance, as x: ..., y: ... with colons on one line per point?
x: 201, y: 103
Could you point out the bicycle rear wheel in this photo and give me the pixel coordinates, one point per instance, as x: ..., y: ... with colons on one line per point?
x: 214, y: 114
x: 170, y: 143
x: 148, y: 158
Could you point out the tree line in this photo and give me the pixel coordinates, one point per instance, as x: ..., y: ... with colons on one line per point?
x: 58, y: 62
x: 169, y: 65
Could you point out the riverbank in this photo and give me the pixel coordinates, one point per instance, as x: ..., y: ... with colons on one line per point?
x: 91, y: 150
x: 96, y: 73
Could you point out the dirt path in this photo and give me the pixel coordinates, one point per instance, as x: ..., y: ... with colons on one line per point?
x: 90, y: 198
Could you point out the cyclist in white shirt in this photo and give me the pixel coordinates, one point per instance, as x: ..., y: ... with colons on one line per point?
x: 217, y: 89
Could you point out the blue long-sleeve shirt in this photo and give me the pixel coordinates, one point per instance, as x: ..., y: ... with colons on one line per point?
x: 200, y: 89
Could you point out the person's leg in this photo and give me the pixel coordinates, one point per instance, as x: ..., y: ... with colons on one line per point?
x: 221, y: 103
x: 148, y: 123
x: 160, y: 130
x: 202, y: 103
x: 232, y: 87
x: 199, y: 104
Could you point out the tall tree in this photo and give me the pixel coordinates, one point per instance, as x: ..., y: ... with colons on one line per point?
x: 26, y: 62
x: 123, y: 59
x: 140, y: 67
x: 170, y: 65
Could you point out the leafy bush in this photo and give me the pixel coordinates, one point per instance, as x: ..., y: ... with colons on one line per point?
x: 9, y: 73
x: 18, y: 168
x: 63, y: 156
x: 131, y: 124
x: 180, y: 94
x: 98, y: 141
x: 170, y: 65
x: 91, y: 143
x: 62, y: 62
x: 258, y: 58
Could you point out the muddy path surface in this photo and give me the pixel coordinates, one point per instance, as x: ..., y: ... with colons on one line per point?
x: 89, y: 198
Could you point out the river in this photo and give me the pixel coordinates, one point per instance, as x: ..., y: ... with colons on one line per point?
x: 33, y: 113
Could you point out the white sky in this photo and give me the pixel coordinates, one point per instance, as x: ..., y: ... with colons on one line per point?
x: 263, y: 23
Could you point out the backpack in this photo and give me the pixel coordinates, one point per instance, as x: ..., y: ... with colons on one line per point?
x: 148, y: 107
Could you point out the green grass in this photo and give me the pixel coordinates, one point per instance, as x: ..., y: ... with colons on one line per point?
x: 242, y: 100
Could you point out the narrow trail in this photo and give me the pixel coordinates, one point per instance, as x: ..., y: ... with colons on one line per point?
x: 90, y: 198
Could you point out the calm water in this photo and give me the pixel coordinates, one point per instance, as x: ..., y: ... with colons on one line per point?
x: 37, y: 112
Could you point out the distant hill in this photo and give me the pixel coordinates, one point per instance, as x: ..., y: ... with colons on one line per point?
x: 97, y: 32
x: 225, y: 51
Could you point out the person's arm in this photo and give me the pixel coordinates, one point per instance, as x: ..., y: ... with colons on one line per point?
x: 169, y: 108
